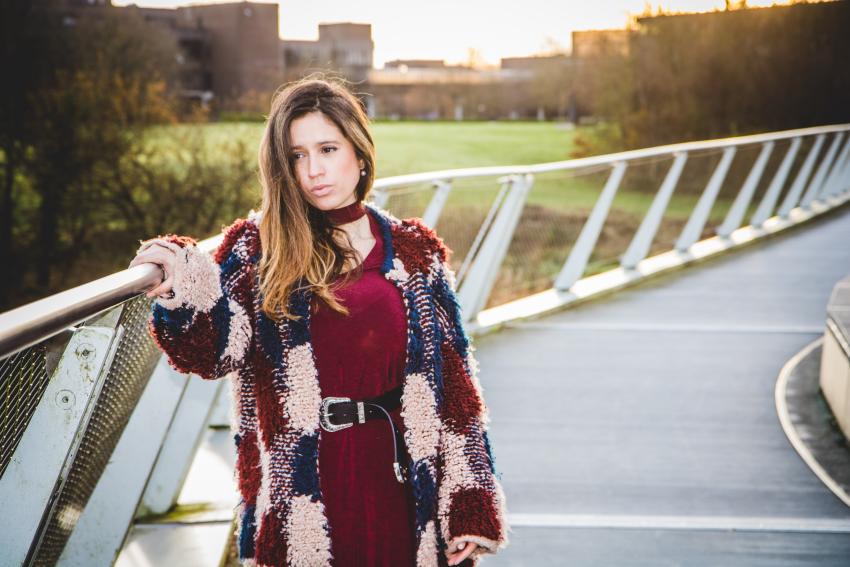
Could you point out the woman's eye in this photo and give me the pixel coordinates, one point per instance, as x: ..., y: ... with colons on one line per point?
x: 297, y: 155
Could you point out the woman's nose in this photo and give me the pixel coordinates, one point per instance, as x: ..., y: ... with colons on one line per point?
x: 314, y: 168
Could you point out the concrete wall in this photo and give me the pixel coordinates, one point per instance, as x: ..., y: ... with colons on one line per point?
x: 835, y: 358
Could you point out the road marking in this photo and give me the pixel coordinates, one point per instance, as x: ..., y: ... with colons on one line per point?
x: 669, y: 327
x: 722, y: 523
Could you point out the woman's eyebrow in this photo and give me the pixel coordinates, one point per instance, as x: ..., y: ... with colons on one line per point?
x: 317, y: 143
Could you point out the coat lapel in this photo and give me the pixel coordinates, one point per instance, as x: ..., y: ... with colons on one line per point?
x: 422, y: 388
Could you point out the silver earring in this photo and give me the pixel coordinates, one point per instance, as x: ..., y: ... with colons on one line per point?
x: 362, y: 172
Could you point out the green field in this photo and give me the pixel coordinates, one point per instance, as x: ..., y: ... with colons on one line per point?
x: 411, y: 147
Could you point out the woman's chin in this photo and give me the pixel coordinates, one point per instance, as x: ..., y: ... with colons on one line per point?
x: 330, y: 201
x: 337, y: 204
x: 327, y: 204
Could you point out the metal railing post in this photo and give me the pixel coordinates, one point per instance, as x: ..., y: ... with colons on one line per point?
x: 505, y: 184
x: 38, y: 469
x: 818, y: 180
x: 639, y: 246
x: 745, y: 195
x: 771, y: 196
x: 842, y: 184
x: 832, y: 180
x: 181, y: 441
x: 576, y: 263
x: 437, y: 202
x: 99, y: 533
x: 693, y: 229
x: 793, y: 196
x: 220, y: 414
x: 484, y: 270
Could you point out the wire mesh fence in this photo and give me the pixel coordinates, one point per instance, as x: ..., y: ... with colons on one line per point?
x: 23, y: 379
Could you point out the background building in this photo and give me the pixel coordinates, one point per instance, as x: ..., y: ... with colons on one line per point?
x: 343, y: 47
x: 592, y: 43
x: 225, y: 50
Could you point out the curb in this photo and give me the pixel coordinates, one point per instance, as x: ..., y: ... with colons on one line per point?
x: 790, y: 425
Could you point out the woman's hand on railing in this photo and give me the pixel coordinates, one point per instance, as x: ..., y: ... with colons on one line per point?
x: 459, y: 550
x: 154, y: 252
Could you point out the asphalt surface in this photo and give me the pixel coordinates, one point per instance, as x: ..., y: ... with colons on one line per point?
x: 642, y: 429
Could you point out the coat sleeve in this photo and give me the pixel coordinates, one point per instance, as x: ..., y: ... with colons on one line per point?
x: 205, y: 327
x: 471, y: 500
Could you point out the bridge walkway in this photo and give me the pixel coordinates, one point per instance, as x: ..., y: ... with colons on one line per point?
x: 641, y: 429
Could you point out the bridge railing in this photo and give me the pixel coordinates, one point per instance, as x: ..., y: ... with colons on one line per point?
x: 520, y: 230
x: 95, y: 427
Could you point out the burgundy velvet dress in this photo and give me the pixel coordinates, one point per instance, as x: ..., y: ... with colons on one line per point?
x: 370, y: 514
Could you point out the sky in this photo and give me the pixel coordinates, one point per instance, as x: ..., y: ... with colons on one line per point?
x: 448, y: 29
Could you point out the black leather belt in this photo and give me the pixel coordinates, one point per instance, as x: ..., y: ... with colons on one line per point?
x: 340, y: 413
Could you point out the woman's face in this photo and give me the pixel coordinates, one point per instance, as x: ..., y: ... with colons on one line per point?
x: 324, y: 161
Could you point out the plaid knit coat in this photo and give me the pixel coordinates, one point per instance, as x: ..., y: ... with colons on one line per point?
x: 213, y: 327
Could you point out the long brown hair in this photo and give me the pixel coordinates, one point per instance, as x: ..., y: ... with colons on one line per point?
x: 299, y: 250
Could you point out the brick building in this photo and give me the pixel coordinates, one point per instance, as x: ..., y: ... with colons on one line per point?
x: 344, y: 47
x: 225, y: 50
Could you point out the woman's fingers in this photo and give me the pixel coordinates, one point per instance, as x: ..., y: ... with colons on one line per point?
x: 148, y: 246
x: 156, y: 255
x: 461, y: 554
x: 162, y: 256
x: 165, y: 259
x: 146, y: 259
x: 154, y: 242
x: 163, y: 288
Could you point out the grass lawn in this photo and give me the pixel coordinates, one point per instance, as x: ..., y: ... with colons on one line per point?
x: 411, y: 147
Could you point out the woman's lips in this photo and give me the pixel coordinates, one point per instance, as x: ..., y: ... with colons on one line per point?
x: 322, y: 190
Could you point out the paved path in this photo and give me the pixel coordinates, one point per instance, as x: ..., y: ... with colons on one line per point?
x: 641, y: 430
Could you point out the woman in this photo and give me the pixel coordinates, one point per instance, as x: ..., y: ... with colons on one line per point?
x: 360, y: 426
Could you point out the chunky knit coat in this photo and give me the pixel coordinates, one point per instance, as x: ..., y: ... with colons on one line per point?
x: 213, y: 327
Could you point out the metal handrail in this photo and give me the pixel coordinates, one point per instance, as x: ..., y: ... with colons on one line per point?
x: 32, y: 323
x: 35, y: 322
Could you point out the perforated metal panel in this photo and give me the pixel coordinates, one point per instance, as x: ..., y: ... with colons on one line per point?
x: 23, y: 378
x: 128, y: 375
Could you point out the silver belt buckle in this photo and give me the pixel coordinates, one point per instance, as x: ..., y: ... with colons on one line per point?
x: 324, y: 418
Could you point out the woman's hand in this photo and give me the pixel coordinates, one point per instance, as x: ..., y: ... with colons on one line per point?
x: 155, y: 253
x: 459, y: 550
